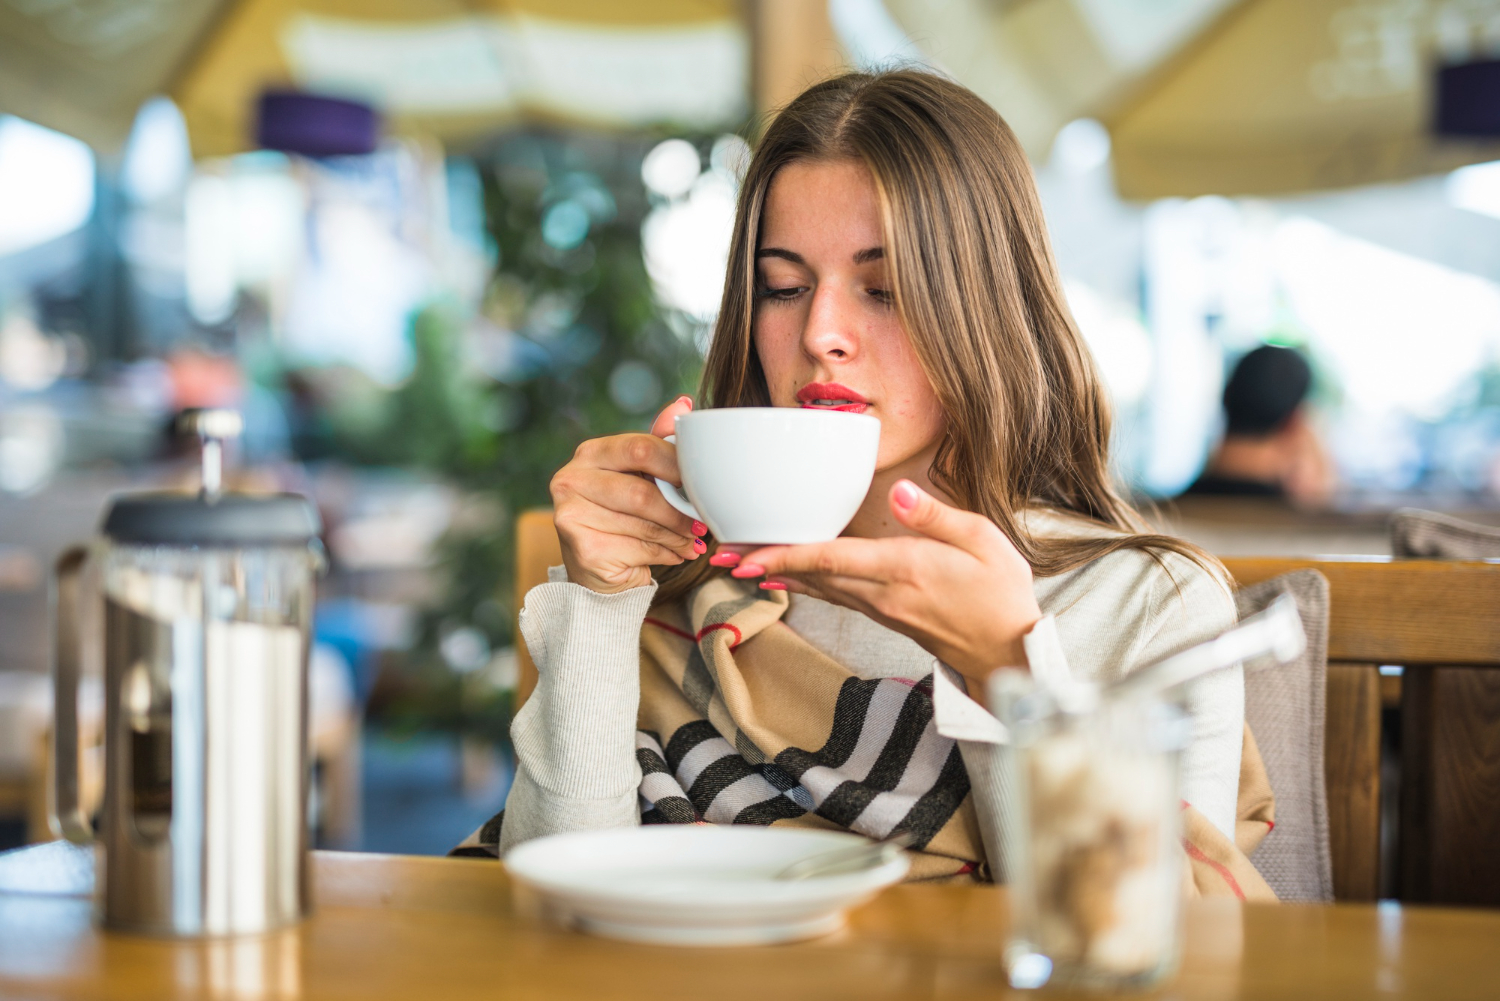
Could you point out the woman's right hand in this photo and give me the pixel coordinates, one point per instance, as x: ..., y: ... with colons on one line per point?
x: 613, y: 522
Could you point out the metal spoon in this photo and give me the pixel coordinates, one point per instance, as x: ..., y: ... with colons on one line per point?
x: 845, y: 860
x: 1275, y: 633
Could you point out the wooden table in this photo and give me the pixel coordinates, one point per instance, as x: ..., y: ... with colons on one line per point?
x: 406, y: 927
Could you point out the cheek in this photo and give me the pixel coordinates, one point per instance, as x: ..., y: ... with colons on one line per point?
x: 776, y: 345
x: 916, y: 418
x: 915, y: 424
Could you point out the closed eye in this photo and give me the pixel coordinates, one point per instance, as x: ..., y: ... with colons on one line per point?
x: 785, y: 294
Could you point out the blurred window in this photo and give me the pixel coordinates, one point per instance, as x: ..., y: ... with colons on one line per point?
x: 1393, y: 291
x: 46, y: 184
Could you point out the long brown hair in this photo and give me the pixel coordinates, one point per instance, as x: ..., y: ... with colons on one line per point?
x: 977, y: 291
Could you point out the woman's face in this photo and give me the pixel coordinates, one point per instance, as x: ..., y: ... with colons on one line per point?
x: 825, y: 324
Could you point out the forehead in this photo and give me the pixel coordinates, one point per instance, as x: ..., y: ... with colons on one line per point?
x: 829, y: 205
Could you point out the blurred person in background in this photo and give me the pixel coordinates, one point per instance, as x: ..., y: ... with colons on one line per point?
x: 1269, y: 448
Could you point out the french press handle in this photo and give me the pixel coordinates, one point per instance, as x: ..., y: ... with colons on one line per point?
x: 68, y: 817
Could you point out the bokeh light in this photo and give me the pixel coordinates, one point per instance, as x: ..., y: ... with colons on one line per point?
x: 634, y: 387
x: 158, y: 159
x: 1116, y: 338
x: 670, y: 169
x: 686, y: 240
x: 46, y: 184
x: 1081, y: 145
x: 1476, y: 188
x: 565, y: 225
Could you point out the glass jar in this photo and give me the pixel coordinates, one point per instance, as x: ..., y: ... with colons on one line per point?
x: 1092, y: 838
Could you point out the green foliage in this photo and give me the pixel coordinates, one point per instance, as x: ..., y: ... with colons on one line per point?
x: 434, y: 419
x: 497, y: 402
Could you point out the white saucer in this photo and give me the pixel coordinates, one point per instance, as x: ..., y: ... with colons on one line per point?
x: 695, y: 884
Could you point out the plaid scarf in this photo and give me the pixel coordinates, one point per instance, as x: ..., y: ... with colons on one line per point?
x: 742, y: 721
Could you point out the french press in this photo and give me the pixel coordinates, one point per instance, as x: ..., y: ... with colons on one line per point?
x: 207, y: 609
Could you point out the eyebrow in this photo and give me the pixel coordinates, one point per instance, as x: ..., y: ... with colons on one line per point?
x: 860, y: 256
x: 785, y: 255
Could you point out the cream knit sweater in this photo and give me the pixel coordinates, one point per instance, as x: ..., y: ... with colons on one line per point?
x: 575, y: 738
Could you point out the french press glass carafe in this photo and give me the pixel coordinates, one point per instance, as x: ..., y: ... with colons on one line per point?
x: 208, y: 602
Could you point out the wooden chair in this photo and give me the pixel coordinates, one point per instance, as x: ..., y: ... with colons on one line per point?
x: 537, y: 549
x: 1423, y: 615
x: 1429, y: 617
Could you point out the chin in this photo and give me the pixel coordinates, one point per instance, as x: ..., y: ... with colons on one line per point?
x: 886, y: 463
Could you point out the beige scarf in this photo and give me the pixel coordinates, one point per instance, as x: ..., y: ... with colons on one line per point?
x: 742, y: 721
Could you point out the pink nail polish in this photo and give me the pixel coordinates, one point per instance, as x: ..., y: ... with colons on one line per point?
x: 699, y: 528
x: 772, y: 585
x: 699, y: 546
x: 748, y: 570
x: 905, y: 495
x: 724, y: 560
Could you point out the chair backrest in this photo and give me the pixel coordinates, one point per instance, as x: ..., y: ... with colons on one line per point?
x: 1431, y: 535
x: 1451, y: 724
x: 537, y: 548
x: 1285, y: 709
x: 1423, y: 615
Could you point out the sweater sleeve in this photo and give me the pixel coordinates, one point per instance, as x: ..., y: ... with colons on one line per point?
x: 983, y: 741
x: 1186, y: 606
x: 575, y: 737
x: 1192, y: 606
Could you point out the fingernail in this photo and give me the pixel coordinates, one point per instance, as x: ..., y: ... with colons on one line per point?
x: 772, y: 585
x: 724, y: 560
x: 905, y: 495
x: 699, y: 546
x: 699, y: 528
x: 748, y: 570
x: 686, y: 399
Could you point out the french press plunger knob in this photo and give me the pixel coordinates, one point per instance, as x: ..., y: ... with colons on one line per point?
x: 212, y: 428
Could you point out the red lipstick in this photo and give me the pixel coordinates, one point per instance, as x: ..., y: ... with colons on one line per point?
x: 831, y: 396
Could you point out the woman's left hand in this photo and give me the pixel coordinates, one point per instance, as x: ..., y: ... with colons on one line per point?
x: 958, y: 587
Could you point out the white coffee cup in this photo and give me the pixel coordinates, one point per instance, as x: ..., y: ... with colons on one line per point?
x: 773, y: 474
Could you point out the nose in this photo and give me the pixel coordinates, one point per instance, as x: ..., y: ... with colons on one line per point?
x: 832, y: 330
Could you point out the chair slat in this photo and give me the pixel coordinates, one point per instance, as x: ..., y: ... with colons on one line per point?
x: 537, y: 548
x: 1351, y: 769
x: 1450, y: 778
x: 1408, y: 612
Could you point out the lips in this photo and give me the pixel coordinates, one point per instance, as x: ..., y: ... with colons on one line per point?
x: 831, y: 396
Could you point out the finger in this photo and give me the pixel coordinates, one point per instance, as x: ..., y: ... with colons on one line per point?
x: 666, y: 421
x: 636, y: 453
x: 607, y: 550
x: 850, y: 592
x: 630, y: 495
x: 585, y: 515
x: 652, y: 554
x: 870, y: 559
x: 918, y: 510
x: 729, y: 554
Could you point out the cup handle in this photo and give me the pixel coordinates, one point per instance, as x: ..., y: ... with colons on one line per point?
x: 67, y: 814
x: 674, y: 495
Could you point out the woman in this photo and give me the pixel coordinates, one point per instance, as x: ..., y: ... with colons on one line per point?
x: 889, y: 256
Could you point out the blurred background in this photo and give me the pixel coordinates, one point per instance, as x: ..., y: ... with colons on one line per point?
x: 428, y: 247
